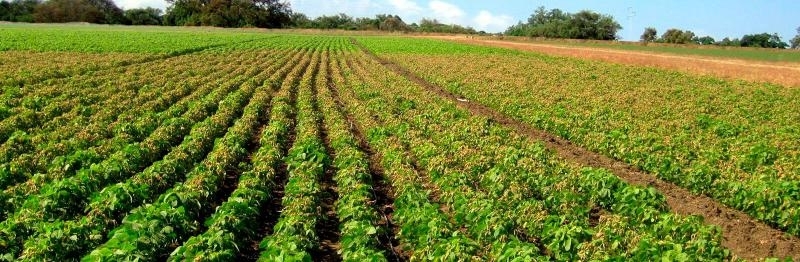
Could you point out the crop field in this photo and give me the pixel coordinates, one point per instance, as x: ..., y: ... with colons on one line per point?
x: 154, y: 144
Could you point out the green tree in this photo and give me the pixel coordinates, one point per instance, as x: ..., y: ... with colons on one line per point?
x: 434, y: 26
x: 559, y: 24
x: 650, y: 34
x: 796, y: 40
x: 591, y: 25
x: 299, y: 20
x: 393, y: 23
x: 111, y: 13
x: 705, y: 40
x: 90, y: 11
x: 229, y: 13
x: 677, y: 36
x: 61, y: 11
x: 18, y: 10
x: 764, y: 40
x: 340, y: 21
x: 728, y: 42
x: 144, y: 16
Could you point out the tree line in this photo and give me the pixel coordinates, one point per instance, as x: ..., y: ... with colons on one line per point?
x: 382, y: 22
x: 678, y: 36
x: 219, y: 13
x: 556, y: 23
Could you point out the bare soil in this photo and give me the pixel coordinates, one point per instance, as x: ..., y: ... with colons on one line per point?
x: 745, y: 236
x: 787, y: 74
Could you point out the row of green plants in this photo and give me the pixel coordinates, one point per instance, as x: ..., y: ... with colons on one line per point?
x: 235, y: 223
x: 467, y: 161
x: 58, y: 160
x: 110, y: 40
x: 144, y: 152
x: 39, y: 103
x: 108, y: 206
x: 486, y: 219
x: 97, y: 87
x: 22, y: 68
x: 294, y: 234
x: 28, y: 153
x: 147, y: 231
x: 36, y: 109
x: 732, y: 140
x: 178, y: 213
x: 96, y: 140
x: 40, y: 90
x: 425, y: 230
x: 358, y: 219
x: 65, y: 198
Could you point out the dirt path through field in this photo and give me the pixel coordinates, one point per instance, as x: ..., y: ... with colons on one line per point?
x: 746, y: 237
x: 787, y: 74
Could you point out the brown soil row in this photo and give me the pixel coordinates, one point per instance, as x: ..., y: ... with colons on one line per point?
x: 746, y: 237
x: 778, y: 73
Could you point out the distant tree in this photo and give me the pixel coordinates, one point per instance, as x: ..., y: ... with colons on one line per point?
x: 677, y: 36
x: 111, y: 13
x: 144, y: 16
x: 706, y: 40
x: 591, y: 25
x: 728, y: 42
x: 650, y: 34
x: 61, y: 11
x: 796, y: 40
x: 413, y: 27
x: 382, y: 22
x: 559, y: 24
x: 434, y: 26
x: 764, y: 40
x: 18, y: 10
x: 340, y: 21
x: 299, y: 20
x: 393, y: 23
x: 229, y: 13
x: 90, y: 11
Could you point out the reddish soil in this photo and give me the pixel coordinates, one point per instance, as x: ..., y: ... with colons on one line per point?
x: 745, y: 236
x: 787, y: 74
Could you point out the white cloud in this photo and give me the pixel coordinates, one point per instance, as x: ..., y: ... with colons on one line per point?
x: 446, y: 12
x: 314, y: 8
x: 406, y: 6
x: 486, y: 21
x: 128, y: 4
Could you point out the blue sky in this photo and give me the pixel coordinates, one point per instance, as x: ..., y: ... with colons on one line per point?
x: 716, y: 18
